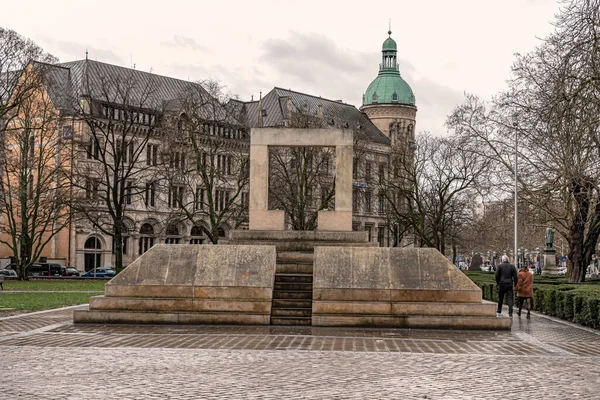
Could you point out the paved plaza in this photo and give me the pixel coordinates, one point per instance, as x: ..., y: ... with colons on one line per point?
x: 45, y: 356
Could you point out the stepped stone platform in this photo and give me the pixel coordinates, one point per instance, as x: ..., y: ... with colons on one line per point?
x: 316, y: 278
x: 190, y: 284
x: 393, y: 287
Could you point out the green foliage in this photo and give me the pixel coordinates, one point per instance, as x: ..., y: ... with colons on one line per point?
x: 579, y: 303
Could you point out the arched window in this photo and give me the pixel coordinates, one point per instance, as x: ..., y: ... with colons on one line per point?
x: 92, y: 255
x: 375, y: 97
x: 172, y: 234
x: 395, y: 97
x: 92, y: 243
x: 221, y: 232
x: 146, y: 238
x: 196, y: 235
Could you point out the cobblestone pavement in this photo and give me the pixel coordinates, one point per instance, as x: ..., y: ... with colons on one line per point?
x: 45, y: 356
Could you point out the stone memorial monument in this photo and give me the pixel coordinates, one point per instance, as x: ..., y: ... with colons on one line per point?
x: 267, y: 275
x: 550, y: 254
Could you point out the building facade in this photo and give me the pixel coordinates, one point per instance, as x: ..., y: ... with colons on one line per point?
x: 122, y: 119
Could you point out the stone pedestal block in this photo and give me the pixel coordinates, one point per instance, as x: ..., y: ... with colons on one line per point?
x: 550, y: 263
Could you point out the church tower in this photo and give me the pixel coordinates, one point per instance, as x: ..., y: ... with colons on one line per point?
x: 389, y: 102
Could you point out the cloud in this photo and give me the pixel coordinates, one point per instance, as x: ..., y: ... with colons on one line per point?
x: 314, y: 64
x: 185, y: 43
x: 76, y: 51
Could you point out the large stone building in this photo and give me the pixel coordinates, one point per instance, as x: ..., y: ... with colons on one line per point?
x: 96, y: 97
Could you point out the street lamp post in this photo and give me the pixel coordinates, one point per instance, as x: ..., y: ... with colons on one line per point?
x: 516, y: 191
x: 95, y: 249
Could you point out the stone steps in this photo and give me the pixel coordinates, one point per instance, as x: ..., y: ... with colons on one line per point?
x: 460, y: 322
x: 292, y: 303
x: 302, y: 246
x: 295, y: 321
x: 293, y: 289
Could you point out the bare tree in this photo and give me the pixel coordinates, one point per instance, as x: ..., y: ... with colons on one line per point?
x: 117, y: 152
x: 206, y: 161
x: 302, y: 179
x: 431, y: 190
x: 35, y: 187
x: 16, y: 53
x: 551, y: 106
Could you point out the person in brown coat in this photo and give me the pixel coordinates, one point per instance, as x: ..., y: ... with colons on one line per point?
x: 524, y: 290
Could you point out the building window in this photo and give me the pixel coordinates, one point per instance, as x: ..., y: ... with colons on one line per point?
x: 394, y: 97
x: 355, y: 199
x: 221, y: 200
x: 172, y: 234
x: 368, y: 229
x: 381, y: 204
x: 199, y: 199
x: 91, y: 189
x: 354, y: 169
x: 126, y: 150
x: 224, y: 164
x: 146, y: 238
x: 178, y: 160
x: 151, y: 154
x: 368, y: 167
x: 245, y: 199
x: 93, y: 149
x: 381, y: 173
x: 381, y: 236
x: 368, y: 202
x: 195, y: 235
x: 176, y: 196
x: 150, y: 195
x: 124, y: 245
x: 128, y: 192
x: 93, y: 253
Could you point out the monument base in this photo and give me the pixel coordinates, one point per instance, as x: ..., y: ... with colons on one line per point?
x: 550, y: 267
x: 189, y: 284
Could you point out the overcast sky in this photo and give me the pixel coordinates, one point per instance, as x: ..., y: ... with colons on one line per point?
x: 327, y: 48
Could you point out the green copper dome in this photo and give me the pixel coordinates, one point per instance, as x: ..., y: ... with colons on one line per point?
x: 389, y: 87
x: 389, y: 44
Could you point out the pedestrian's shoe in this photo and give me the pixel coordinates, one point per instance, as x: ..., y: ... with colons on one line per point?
x: 528, y: 316
x: 498, y: 314
x: 519, y: 313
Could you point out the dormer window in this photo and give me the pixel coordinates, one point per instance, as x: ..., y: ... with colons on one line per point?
x: 395, y: 97
x: 264, y: 112
x: 375, y: 97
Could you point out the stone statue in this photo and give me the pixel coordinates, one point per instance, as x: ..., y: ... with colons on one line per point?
x: 550, y: 238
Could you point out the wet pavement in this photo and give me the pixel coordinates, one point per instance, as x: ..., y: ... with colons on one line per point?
x: 45, y: 356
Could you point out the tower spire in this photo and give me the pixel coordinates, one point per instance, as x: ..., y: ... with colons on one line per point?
x: 390, y: 28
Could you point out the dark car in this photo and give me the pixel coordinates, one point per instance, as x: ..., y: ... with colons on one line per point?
x: 44, y: 269
x: 8, y: 272
x: 69, y: 271
x: 100, y: 273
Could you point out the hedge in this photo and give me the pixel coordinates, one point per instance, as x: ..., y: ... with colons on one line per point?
x: 578, y: 303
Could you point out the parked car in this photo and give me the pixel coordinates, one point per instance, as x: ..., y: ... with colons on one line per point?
x: 8, y: 272
x: 69, y: 271
x: 100, y: 273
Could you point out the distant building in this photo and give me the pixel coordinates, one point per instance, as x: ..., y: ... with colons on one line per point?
x: 386, y: 123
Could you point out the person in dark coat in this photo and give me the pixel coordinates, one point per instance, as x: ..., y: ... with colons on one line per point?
x: 506, y: 278
x: 525, y: 290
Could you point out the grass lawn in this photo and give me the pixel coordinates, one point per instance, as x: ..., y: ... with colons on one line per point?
x: 42, y: 301
x: 50, y: 294
x: 59, y: 285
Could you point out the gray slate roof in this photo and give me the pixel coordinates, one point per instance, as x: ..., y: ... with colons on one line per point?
x: 335, y: 113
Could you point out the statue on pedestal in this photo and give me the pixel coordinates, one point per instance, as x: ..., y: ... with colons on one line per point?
x: 550, y: 238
